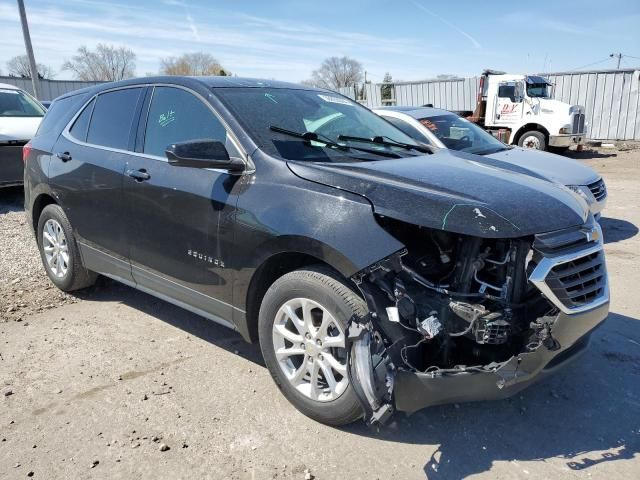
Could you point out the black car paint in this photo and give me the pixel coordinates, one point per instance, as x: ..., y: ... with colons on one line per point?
x: 202, y: 238
x: 456, y: 192
x: 11, y: 166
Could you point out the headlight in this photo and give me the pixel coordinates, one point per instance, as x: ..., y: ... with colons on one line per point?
x: 584, y: 192
x: 565, y: 130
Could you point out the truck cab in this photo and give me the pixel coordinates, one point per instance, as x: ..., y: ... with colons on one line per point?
x: 519, y: 107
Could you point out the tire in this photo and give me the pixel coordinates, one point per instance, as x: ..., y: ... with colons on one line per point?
x: 321, y: 293
x: 74, y: 276
x: 533, y: 139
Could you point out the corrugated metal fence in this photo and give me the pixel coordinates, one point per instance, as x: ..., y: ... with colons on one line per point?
x: 49, y: 89
x: 611, y: 98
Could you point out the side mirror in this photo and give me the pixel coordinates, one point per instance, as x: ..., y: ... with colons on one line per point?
x: 202, y: 154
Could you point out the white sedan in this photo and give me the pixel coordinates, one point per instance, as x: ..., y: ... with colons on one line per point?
x: 20, y: 116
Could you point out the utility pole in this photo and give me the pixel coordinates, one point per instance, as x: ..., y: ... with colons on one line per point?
x: 35, y: 81
x: 619, y: 57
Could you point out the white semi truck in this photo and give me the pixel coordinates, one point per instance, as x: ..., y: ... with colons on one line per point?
x: 519, y: 111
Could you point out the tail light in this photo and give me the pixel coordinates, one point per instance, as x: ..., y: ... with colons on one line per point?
x: 26, y: 150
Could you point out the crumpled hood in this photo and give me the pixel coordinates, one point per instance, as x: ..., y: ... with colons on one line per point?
x: 456, y: 192
x: 555, y: 168
x: 18, y: 128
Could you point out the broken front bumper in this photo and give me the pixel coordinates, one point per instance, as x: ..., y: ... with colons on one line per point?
x: 414, y: 391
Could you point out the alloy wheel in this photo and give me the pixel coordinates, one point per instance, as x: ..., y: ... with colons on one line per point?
x: 56, y: 248
x: 309, y: 345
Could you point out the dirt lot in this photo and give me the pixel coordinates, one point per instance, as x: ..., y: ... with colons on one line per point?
x: 94, y: 385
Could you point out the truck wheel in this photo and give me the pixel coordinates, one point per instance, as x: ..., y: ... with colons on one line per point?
x: 532, y: 139
x: 302, y: 329
x: 59, y: 252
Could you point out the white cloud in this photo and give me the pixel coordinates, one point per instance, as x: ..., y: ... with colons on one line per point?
x: 246, y: 45
x: 475, y: 43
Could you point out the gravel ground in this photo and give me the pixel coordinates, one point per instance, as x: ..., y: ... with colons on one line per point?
x: 117, y: 384
x: 24, y: 286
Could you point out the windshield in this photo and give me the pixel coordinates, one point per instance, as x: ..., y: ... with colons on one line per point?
x: 540, y: 90
x: 457, y: 133
x: 16, y: 103
x: 328, y: 115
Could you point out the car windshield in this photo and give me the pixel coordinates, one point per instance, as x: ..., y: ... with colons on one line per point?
x: 538, y: 90
x: 16, y: 103
x: 460, y: 134
x: 268, y: 113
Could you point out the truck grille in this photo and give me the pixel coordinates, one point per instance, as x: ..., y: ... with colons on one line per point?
x: 578, y: 123
x: 598, y: 189
x: 570, y: 272
x: 578, y: 282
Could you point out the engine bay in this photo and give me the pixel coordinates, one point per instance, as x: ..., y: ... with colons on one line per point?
x: 451, y: 304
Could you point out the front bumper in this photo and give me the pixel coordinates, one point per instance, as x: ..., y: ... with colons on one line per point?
x: 414, y: 391
x: 11, y: 166
x: 562, y: 141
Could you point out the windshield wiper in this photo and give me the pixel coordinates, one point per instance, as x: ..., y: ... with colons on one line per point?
x: 314, y: 137
x: 387, y: 143
x: 307, y: 136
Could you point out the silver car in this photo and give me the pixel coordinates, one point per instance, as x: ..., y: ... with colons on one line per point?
x: 444, y: 129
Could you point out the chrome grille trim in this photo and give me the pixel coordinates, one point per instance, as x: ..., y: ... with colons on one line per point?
x: 598, y: 189
x: 578, y: 123
x: 589, y: 269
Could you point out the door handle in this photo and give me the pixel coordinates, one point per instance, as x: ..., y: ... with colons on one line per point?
x: 64, y: 156
x: 139, y: 175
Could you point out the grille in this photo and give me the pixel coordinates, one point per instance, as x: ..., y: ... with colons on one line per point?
x: 598, y: 189
x: 578, y: 123
x: 580, y: 281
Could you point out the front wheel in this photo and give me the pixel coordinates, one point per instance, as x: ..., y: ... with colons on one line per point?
x: 302, y: 328
x: 533, y: 139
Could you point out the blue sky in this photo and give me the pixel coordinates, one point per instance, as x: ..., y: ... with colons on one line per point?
x: 287, y: 39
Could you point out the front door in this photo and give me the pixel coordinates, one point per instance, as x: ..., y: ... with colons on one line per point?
x: 180, y: 222
x: 509, y: 105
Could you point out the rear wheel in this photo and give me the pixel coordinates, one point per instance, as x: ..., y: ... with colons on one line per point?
x: 533, y: 139
x: 59, y: 251
x: 302, y: 328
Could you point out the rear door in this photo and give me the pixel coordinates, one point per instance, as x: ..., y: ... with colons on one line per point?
x: 180, y: 220
x: 86, y: 174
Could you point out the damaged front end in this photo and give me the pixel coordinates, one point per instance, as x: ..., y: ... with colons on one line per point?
x: 456, y: 318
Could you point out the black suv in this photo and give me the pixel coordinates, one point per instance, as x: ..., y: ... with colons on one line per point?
x: 376, y: 274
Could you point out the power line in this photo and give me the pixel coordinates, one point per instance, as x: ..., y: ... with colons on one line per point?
x: 590, y: 64
x: 619, y: 57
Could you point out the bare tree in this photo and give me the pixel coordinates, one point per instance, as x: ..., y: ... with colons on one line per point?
x: 19, y: 66
x: 196, y: 64
x: 337, y: 72
x: 106, y: 63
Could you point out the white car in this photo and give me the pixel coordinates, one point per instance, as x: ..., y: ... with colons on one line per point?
x: 20, y: 116
x: 444, y: 129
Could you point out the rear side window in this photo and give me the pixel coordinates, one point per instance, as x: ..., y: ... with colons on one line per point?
x: 59, y: 114
x: 81, y: 125
x: 112, y: 118
x: 16, y: 103
x: 176, y: 115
